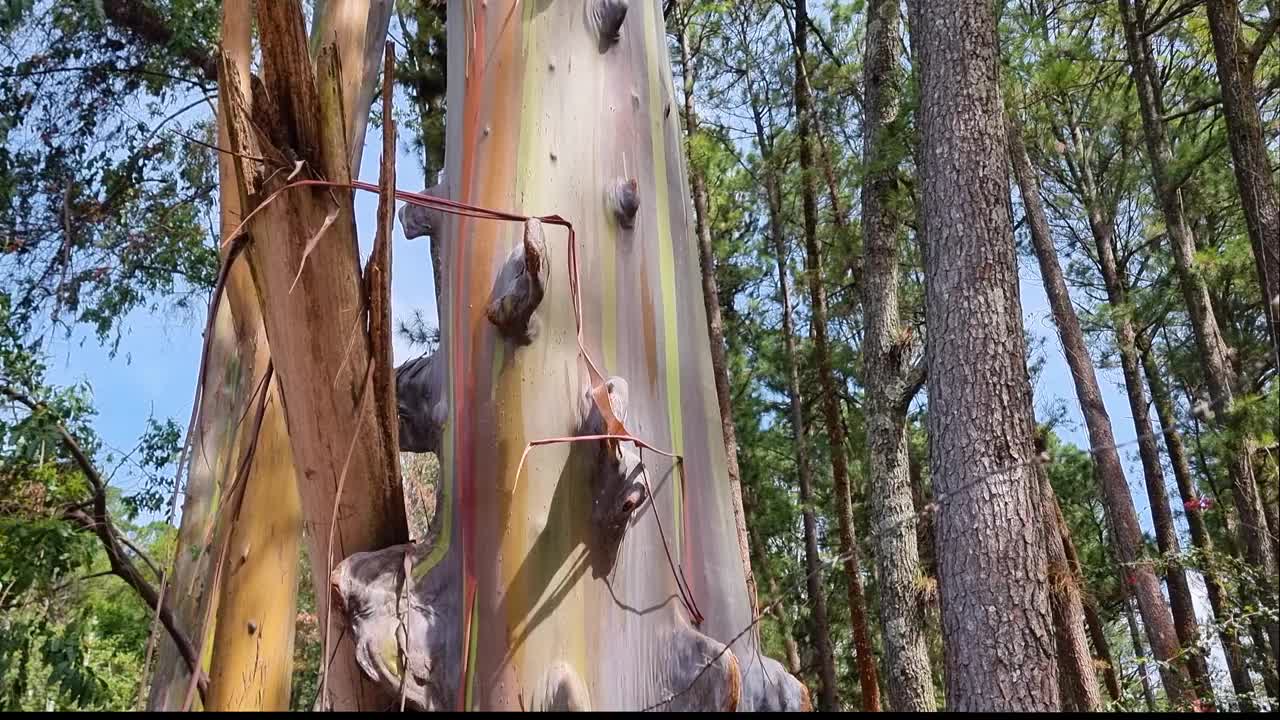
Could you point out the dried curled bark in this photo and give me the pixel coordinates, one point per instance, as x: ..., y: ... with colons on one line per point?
x: 520, y: 286
x: 623, y: 199
x: 605, y: 18
x: 618, y: 482
x: 419, y: 221
x: 768, y: 687
x: 420, y: 403
x: 397, y: 624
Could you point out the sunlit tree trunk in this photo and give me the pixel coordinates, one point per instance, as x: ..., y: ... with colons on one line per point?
x: 549, y: 586
x: 331, y: 369
x: 1139, y: 572
x: 992, y: 567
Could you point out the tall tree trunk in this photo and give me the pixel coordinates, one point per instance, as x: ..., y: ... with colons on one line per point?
x: 1092, y: 621
x: 249, y: 670
x: 1140, y: 652
x: 1200, y: 539
x: 1078, y: 682
x: 1236, y: 62
x: 996, y: 616
x: 711, y: 300
x: 251, y: 666
x: 1139, y: 573
x: 813, y: 561
x: 828, y: 389
x: 885, y: 367
x: 545, y: 583
x: 1213, y: 350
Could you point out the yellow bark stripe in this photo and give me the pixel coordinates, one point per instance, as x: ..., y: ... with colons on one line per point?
x: 666, y: 253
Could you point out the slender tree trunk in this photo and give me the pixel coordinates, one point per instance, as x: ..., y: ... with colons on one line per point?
x: 1078, y: 681
x: 1213, y: 349
x: 1139, y: 573
x: 996, y: 616
x: 813, y: 562
x: 1254, y: 176
x: 1092, y: 621
x: 1200, y: 539
x: 711, y: 299
x: 828, y: 389
x: 885, y: 366
x: 1141, y: 653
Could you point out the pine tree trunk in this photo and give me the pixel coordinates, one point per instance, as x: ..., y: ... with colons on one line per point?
x: 828, y: 389
x: 1078, y: 682
x: 1212, y: 348
x: 545, y: 585
x: 1092, y: 622
x: 1139, y: 574
x: 813, y: 561
x: 1200, y: 539
x: 715, y: 324
x: 996, y: 616
x: 1140, y: 652
x: 885, y: 367
x: 1254, y: 176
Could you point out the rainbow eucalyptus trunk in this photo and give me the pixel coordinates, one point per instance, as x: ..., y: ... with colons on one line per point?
x: 321, y: 313
x: 551, y: 587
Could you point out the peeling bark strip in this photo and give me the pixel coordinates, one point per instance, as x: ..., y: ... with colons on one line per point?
x: 991, y: 555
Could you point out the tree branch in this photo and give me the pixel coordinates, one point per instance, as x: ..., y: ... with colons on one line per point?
x: 141, y: 20
x: 1267, y: 32
x: 912, y: 384
x: 99, y: 523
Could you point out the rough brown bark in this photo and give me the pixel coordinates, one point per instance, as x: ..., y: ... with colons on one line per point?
x: 1093, y: 623
x: 813, y: 561
x: 1254, y: 177
x: 1141, y: 653
x: 1078, y: 682
x: 1213, y: 350
x: 886, y: 360
x: 996, y: 616
x: 828, y: 389
x: 715, y: 323
x: 1139, y: 573
x: 1200, y: 538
